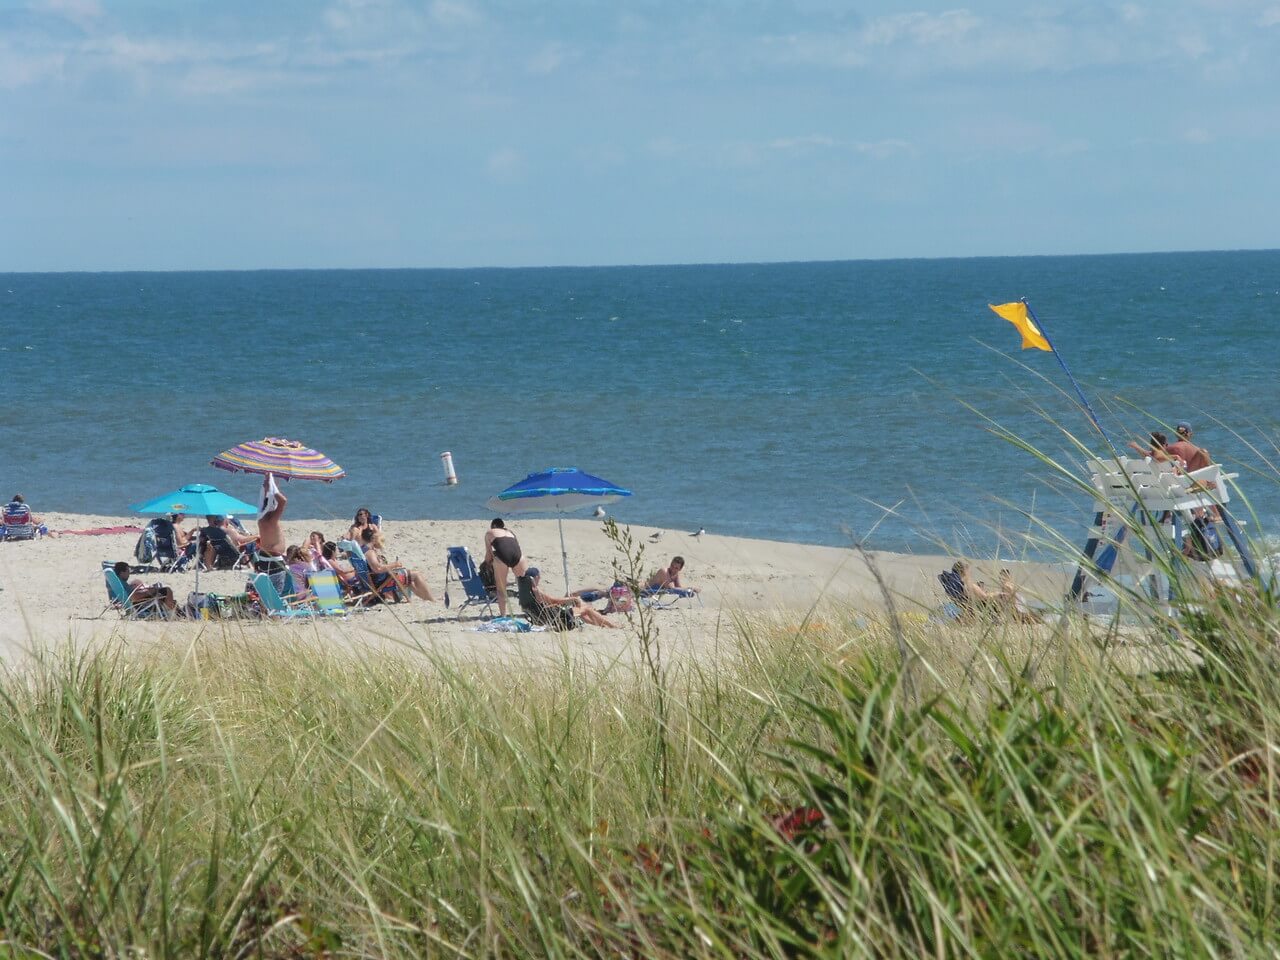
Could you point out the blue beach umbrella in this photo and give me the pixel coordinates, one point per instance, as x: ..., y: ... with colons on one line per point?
x: 195, y: 498
x: 557, y: 490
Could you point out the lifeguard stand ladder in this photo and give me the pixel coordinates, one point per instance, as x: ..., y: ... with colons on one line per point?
x: 1152, y: 492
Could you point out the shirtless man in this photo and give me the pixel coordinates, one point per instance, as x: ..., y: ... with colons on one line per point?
x: 271, y: 542
x: 669, y: 578
x: 140, y: 594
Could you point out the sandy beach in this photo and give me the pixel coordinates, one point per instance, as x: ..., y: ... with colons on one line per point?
x: 53, y: 591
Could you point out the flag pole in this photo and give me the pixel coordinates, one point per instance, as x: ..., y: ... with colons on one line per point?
x: 1067, y: 370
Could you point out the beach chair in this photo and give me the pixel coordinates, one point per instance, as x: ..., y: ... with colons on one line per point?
x: 327, y: 592
x: 663, y: 598
x: 16, y: 522
x: 273, y: 603
x: 460, y: 567
x: 557, y: 618
x: 375, y: 587
x: 121, y: 600
x: 167, y: 555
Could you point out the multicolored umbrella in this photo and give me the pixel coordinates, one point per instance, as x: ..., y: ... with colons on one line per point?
x: 286, y: 459
x: 557, y: 490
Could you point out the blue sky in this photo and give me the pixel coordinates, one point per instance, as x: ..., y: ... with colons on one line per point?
x: 175, y: 134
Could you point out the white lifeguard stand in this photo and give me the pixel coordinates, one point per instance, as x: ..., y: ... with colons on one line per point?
x: 1154, y: 496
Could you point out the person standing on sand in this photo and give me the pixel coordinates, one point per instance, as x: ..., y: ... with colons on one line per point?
x: 502, y: 549
x: 271, y: 542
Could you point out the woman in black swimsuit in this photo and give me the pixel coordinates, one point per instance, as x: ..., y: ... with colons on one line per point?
x: 502, y: 549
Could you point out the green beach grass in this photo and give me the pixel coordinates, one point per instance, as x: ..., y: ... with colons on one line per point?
x: 998, y: 791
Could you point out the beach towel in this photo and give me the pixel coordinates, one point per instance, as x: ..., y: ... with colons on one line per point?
x: 507, y: 625
x: 269, y: 493
x: 94, y: 531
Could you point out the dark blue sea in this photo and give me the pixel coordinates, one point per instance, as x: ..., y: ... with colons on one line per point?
x: 792, y: 401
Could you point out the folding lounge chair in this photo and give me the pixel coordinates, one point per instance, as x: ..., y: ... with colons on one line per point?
x: 663, y: 597
x: 16, y: 522
x: 375, y: 587
x: 461, y: 567
x: 327, y: 592
x: 273, y: 603
x: 120, y: 599
x: 557, y: 618
x: 168, y: 556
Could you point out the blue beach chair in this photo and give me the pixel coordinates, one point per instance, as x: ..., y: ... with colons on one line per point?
x: 460, y: 567
x: 121, y: 600
x: 273, y: 603
x: 375, y: 587
x: 662, y: 598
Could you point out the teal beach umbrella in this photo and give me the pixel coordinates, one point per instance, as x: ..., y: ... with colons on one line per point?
x: 197, y: 499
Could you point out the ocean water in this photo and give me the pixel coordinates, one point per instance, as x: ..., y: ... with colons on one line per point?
x: 817, y: 402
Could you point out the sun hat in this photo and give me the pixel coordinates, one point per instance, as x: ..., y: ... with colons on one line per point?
x: 533, y: 572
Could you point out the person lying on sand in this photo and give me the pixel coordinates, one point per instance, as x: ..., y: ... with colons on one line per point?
x: 668, y: 578
x: 378, y: 566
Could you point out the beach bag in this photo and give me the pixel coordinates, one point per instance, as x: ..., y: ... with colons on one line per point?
x: 620, y: 599
x: 145, y: 550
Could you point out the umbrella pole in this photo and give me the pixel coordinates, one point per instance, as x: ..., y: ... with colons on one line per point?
x: 197, y: 590
x: 564, y: 554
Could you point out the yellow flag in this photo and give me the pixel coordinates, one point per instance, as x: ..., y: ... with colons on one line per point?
x: 1016, y: 313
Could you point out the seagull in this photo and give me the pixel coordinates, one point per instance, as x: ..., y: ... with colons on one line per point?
x: 599, y: 512
x: 701, y: 531
x: 655, y: 537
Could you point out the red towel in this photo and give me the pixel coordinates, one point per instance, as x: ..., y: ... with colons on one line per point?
x: 95, y: 532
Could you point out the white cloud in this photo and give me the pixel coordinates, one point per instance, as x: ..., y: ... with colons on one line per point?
x: 921, y: 28
x: 1269, y: 17
x: 1197, y: 135
x: 506, y: 165
x: 20, y: 68
x: 801, y: 143
x: 883, y: 149
x: 83, y: 13
x: 454, y: 13
x: 547, y: 60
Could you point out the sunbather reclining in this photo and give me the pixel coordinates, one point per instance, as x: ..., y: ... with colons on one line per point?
x: 558, y: 613
x: 668, y: 578
x: 381, y: 570
x: 140, y: 593
x: 220, y: 544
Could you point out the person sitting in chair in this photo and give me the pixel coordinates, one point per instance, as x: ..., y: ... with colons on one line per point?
x: 140, y: 594
x: 972, y: 599
x: 381, y: 570
x: 219, y: 545
x: 558, y: 613
x: 362, y: 522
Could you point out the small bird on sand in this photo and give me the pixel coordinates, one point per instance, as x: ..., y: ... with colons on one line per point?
x: 655, y: 537
x: 701, y: 531
x: 599, y: 512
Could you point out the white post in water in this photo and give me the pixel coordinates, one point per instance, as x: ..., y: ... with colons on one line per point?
x: 450, y: 478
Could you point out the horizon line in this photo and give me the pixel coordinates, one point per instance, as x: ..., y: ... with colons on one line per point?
x: 654, y: 265
x: 635, y: 265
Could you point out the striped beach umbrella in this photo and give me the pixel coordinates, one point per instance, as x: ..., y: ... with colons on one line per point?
x: 286, y: 459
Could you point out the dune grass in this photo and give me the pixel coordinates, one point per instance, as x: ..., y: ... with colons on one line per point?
x: 1001, y: 792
